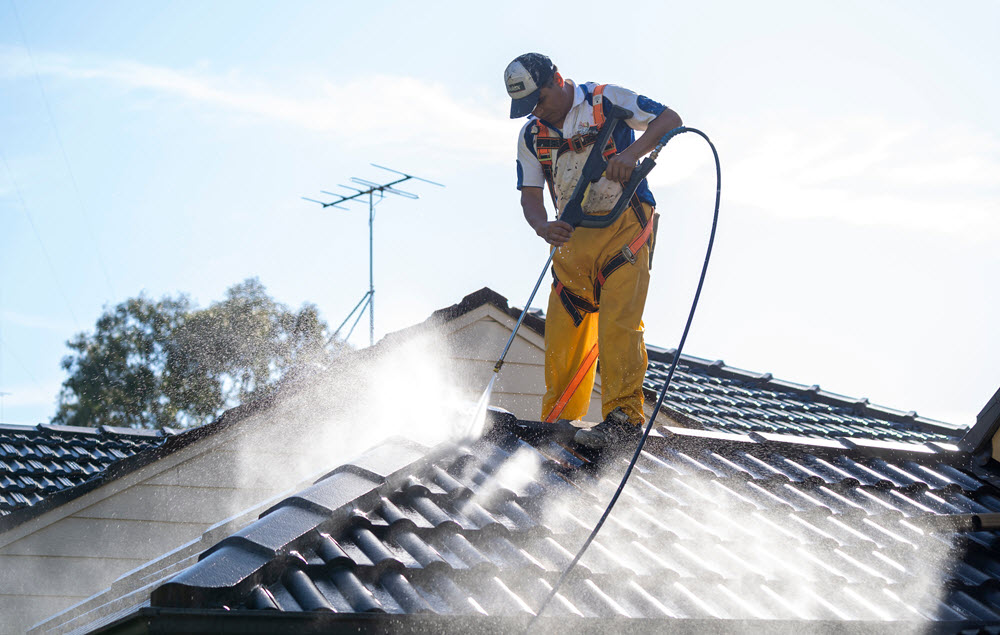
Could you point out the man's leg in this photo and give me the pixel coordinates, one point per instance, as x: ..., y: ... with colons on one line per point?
x: 566, y: 348
x: 622, y: 348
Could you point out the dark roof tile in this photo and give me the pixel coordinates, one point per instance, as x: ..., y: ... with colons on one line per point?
x: 42, y: 457
x: 712, y: 525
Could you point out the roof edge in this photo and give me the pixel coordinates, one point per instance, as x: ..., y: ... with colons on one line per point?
x: 979, y: 438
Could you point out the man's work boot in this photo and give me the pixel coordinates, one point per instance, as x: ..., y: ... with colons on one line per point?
x: 615, y: 430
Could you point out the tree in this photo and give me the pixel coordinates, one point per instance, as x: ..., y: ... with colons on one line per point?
x: 154, y: 364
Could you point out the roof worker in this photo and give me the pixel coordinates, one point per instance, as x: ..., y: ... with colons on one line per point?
x: 601, y: 275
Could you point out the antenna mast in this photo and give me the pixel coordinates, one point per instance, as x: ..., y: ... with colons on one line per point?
x: 370, y: 189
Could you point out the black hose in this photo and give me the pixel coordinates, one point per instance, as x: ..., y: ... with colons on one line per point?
x: 666, y: 385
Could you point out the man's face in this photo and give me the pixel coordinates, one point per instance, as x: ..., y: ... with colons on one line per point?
x: 551, y: 104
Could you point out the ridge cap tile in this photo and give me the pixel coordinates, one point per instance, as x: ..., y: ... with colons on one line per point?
x: 784, y: 384
x: 223, y: 572
x: 279, y: 531
x: 387, y: 462
x: 844, y: 399
x: 937, y: 423
x: 332, y: 494
x: 740, y: 373
x: 886, y: 411
x: 55, y: 427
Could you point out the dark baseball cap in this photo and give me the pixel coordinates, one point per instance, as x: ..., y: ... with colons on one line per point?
x: 523, y: 77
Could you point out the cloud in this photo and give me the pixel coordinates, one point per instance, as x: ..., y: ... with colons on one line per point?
x: 37, y: 321
x: 865, y: 171
x: 360, y: 112
x: 859, y: 170
x: 26, y: 395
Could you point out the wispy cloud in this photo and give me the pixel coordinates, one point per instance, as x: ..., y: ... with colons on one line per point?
x: 362, y: 111
x: 36, y: 321
x: 22, y: 395
x: 863, y: 170
x: 860, y: 170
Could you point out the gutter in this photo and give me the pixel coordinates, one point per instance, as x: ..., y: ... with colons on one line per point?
x: 151, y: 621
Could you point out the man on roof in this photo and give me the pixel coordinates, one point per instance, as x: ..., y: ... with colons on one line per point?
x: 601, y: 275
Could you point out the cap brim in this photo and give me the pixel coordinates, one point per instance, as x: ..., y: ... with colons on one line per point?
x: 523, y: 106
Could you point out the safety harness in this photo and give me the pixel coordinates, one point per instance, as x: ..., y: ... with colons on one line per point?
x: 546, y: 141
x: 548, y: 147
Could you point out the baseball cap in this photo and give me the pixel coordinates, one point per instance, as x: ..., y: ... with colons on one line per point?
x: 524, y: 76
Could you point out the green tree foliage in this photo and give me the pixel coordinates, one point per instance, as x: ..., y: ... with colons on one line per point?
x: 167, y: 363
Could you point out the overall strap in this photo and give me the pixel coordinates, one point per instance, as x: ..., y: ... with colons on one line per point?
x: 574, y: 304
x: 628, y: 252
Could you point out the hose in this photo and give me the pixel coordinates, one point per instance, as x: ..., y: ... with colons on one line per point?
x: 666, y: 385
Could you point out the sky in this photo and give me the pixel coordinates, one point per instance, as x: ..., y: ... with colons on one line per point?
x: 163, y: 148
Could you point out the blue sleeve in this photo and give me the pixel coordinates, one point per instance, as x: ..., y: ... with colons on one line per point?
x: 650, y: 106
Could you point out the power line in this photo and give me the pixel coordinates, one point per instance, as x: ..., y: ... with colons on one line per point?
x: 41, y: 243
x: 72, y: 176
x: 20, y: 363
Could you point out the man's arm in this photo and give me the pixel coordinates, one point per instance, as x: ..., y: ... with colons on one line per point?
x: 621, y: 165
x: 554, y: 232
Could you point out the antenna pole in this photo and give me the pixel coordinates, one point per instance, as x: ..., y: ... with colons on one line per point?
x: 371, y: 188
x: 371, y: 268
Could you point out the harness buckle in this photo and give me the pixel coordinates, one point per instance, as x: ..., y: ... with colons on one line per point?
x: 577, y: 143
x: 628, y: 255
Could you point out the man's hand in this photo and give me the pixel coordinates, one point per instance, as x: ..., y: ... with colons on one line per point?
x: 555, y: 232
x: 621, y: 165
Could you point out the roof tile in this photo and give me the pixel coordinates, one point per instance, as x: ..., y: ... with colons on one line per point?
x: 709, y: 527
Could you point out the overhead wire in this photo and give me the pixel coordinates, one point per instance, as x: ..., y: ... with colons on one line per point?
x: 20, y: 363
x: 87, y: 222
x: 38, y: 236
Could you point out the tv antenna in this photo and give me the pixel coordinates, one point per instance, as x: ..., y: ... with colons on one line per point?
x: 370, y: 189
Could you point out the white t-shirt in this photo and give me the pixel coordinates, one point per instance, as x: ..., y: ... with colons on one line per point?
x: 568, y: 164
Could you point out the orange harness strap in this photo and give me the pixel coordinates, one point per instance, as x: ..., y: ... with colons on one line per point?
x: 627, y: 253
x: 574, y: 383
x: 547, y: 143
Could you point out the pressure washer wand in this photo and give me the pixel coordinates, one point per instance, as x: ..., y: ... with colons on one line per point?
x: 524, y: 312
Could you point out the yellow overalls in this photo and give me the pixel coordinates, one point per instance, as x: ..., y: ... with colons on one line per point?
x: 595, y: 311
x: 616, y: 325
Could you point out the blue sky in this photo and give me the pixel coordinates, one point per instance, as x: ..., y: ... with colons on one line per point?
x: 163, y: 147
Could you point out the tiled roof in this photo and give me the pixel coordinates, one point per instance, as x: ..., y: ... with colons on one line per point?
x: 712, y: 396
x: 713, y: 526
x: 39, y: 462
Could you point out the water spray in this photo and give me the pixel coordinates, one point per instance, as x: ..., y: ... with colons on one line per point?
x: 638, y: 174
